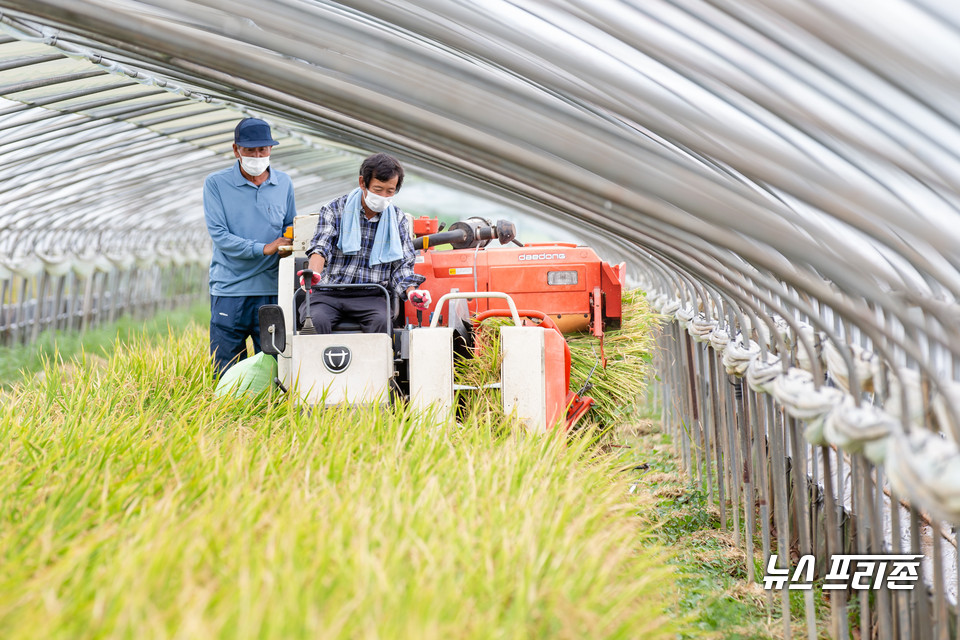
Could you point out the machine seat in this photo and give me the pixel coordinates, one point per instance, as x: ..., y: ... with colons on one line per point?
x: 344, y: 326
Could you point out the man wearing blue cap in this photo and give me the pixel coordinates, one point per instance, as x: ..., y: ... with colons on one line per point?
x: 247, y: 206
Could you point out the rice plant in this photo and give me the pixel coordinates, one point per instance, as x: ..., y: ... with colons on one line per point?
x: 134, y: 503
x: 616, y: 388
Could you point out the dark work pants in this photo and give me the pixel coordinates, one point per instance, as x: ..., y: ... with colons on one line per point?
x: 232, y: 319
x: 326, y: 310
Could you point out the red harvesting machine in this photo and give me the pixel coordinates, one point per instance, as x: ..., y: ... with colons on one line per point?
x: 548, y: 290
x: 559, y: 286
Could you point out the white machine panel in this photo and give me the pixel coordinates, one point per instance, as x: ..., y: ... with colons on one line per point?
x: 342, y: 367
x: 304, y: 228
x: 285, y: 300
x: 431, y: 368
x: 523, y: 376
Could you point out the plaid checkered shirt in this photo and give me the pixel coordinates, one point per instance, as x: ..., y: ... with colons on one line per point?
x: 356, y: 269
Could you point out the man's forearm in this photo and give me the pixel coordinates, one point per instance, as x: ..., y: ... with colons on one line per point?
x: 316, y: 263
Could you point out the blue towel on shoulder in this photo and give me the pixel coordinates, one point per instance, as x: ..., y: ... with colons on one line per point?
x: 387, y: 245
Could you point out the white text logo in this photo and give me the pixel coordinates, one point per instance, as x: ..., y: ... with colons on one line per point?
x: 542, y: 256
x: 863, y: 571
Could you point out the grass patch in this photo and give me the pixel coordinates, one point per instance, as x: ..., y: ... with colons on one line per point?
x: 711, y: 590
x: 133, y: 503
x: 20, y: 361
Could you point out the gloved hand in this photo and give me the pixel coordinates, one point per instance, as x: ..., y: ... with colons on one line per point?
x: 314, y: 279
x: 420, y: 299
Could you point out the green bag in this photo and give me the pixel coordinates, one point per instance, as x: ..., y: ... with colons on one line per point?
x: 251, y: 376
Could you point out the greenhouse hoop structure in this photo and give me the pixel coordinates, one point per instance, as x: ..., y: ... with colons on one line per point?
x: 781, y: 178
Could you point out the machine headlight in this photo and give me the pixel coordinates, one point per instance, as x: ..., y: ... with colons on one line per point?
x: 561, y: 277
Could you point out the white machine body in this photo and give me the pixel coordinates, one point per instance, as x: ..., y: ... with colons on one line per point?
x: 353, y: 368
x: 431, y: 368
x: 357, y: 368
x: 523, y: 375
x: 285, y: 300
x: 532, y: 384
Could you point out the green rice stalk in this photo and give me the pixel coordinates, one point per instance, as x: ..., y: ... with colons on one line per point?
x: 134, y: 503
x: 616, y: 390
x: 618, y: 387
x: 480, y: 370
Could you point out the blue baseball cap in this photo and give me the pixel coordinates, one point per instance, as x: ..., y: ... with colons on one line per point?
x: 253, y: 132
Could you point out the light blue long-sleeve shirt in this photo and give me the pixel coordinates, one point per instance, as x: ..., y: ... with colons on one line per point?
x: 242, y: 219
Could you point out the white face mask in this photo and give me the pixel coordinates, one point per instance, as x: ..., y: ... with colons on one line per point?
x: 377, y: 203
x: 253, y: 165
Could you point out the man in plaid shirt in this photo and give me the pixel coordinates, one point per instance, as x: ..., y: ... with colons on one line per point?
x: 362, y: 238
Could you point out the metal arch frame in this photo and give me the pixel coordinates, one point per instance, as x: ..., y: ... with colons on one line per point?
x: 753, y: 221
x: 737, y: 221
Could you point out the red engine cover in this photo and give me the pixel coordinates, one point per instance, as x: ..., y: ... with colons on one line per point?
x: 557, y: 278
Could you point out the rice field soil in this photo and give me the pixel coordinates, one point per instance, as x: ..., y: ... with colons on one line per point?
x: 134, y: 503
